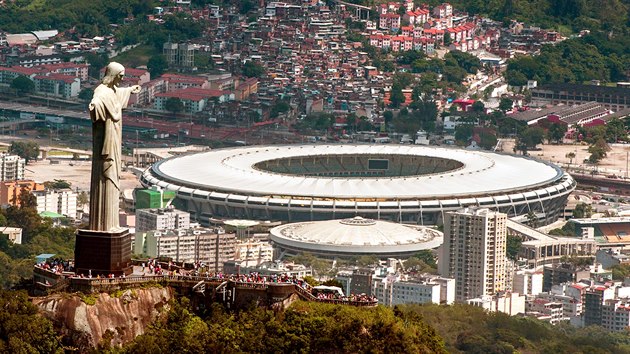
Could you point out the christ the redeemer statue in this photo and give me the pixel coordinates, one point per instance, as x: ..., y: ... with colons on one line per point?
x: 106, y: 113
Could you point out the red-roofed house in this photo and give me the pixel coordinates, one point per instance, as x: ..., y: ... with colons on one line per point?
x: 194, y: 99
x: 65, y: 86
x: 389, y: 21
x: 8, y: 74
x: 72, y: 69
x: 178, y: 82
x: 436, y: 34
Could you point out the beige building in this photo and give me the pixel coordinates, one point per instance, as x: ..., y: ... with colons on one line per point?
x: 474, y: 252
x: 62, y: 202
x: 253, y: 253
x: 212, y: 246
x: 161, y: 219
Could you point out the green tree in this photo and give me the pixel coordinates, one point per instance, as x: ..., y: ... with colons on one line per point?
x: 428, y: 257
x: 463, y: 133
x: 86, y: 94
x: 598, y: 151
x: 157, y: 65
x: 616, y: 131
x: 23, y: 85
x: 27, y: 150
x: 22, y: 329
x: 529, y: 137
x: 582, y: 210
x: 58, y: 184
x: 246, y: 6
x: 253, y: 69
x: 479, y: 107
x: 506, y: 104
x: 447, y: 39
x: 556, y: 132
x: 365, y: 261
x: 96, y: 62
x: 516, y: 78
x: 570, y: 156
x: 396, y: 96
x: 174, y: 104
x: 487, y: 140
x: 278, y: 108
x: 513, y: 246
x: 388, y: 116
x: 82, y: 199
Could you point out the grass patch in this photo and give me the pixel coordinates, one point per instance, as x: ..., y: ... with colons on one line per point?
x: 89, y: 299
x: 564, y: 30
x: 35, y: 5
x: 59, y: 153
x: 137, y: 56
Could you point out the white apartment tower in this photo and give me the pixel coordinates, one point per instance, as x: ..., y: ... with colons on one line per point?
x: 62, y: 201
x: 474, y: 252
x: 11, y: 167
x: 161, y: 219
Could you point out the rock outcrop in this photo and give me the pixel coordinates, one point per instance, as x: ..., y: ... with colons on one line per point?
x: 87, y: 320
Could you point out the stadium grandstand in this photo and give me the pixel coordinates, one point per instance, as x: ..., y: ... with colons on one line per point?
x: 608, y: 232
x: 402, y: 183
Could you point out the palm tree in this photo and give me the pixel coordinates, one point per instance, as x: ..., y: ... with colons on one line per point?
x: 570, y: 156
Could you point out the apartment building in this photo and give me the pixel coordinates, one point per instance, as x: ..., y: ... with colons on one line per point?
x: 11, y: 167
x: 161, y: 219
x: 474, y: 252
x: 62, y: 202
x: 10, y: 190
x: 212, y: 246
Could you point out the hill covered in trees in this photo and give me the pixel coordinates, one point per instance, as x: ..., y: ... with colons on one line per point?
x: 318, y: 328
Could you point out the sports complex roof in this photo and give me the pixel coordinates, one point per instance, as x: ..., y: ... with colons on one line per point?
x: 356, y: 235
x: 232, y: 171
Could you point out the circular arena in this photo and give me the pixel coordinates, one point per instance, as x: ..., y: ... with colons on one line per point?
x: 347, y: 238
x: 403, y: 183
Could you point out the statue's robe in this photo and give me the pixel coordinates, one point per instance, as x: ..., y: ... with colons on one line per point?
x: 106, y: 113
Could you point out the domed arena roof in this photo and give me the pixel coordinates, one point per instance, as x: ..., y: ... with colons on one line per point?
x: 356, y: 236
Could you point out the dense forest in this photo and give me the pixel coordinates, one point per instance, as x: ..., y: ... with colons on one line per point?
x: 319, y: 328
x: 593, y: 57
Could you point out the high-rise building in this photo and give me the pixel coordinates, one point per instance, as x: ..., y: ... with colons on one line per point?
x: 11, y: 167
x: 161, y: 219
x: 395, y: 290
x: 527, y: 282
x: 62, y: 202
x: 253, y: 252
x: 212, y: 247
x: 474, y: 252
x: 181, y: 54
x: 559, y: 273
x: 616, y: 315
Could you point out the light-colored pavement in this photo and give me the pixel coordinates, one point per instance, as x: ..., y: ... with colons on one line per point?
x: 75, y: 172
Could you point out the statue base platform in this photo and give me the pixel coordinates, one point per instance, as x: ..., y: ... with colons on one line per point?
x: 103, y: 252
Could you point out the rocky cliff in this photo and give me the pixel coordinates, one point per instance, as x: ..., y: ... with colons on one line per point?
x: 87, y: 320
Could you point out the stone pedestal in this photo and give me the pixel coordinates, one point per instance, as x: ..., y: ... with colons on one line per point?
x: 103, y: 252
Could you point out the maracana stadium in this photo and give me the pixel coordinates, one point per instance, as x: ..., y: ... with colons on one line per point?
x: 402, y: 183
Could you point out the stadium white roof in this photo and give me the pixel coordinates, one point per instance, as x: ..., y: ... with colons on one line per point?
x: 356, y: 235
x: 231, y: 171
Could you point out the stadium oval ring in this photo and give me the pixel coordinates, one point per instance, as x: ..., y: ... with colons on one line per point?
x: 403, y: 183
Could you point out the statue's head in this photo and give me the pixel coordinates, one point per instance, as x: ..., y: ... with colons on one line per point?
x: 114, y: 73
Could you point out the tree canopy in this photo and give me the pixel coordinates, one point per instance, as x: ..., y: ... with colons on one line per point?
x: 23, y: 84
x: 252, y: 69
x: 27, y: 150
x: 174, y: 104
